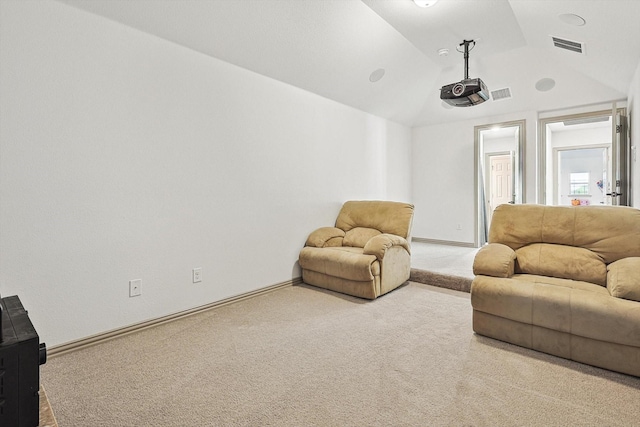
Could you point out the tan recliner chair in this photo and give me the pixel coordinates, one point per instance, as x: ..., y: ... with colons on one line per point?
x: 366, y: 254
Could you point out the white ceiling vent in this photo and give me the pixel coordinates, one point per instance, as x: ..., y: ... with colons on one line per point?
x: 500, y: 94
x: 571, y: 45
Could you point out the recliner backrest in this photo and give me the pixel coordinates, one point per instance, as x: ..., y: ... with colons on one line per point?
x: 386, y: 217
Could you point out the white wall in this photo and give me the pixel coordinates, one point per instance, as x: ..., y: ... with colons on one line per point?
x: 579, y: 137
x: 123, y: 156
x: 443, y: 176
x: 634, y: 116
x: 500, y: 145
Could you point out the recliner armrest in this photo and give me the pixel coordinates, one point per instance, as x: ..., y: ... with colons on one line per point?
x: 494, y: 259
x: 623, y: 278
x: 378, y: 245
x: 325, y: 236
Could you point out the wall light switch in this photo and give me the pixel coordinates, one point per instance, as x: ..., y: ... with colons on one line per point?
x: 135, y: 287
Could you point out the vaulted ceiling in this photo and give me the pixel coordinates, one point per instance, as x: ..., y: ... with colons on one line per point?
x: 332, y: 47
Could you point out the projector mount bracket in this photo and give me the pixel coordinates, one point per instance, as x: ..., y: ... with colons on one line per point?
x: 466, y: 51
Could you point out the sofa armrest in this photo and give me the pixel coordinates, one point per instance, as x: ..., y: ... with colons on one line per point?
x: 494, y: 259
x: 623, y: 278
x: 378, y: 245
x: 325, y: 236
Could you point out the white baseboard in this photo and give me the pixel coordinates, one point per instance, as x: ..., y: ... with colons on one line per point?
x: 116, y: 333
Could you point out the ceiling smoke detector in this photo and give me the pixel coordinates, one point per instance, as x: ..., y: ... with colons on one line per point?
x: 376, y: 75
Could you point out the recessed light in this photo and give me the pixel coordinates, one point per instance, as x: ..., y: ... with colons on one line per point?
x: 546, y: 84
x: 572, y: 19
x: 425, y: 3
x: 376, y: 75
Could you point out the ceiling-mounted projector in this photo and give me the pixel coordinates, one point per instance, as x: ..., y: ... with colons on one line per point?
x: 467, y: 92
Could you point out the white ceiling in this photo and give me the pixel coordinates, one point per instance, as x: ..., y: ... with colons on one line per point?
x: 331, y: 47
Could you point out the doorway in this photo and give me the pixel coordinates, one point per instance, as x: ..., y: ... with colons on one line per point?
x: 581, y: 175
x: 583, y: 159
x: 499, y: 167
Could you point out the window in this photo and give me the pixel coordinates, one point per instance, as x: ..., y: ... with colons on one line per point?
x: 579, y: 182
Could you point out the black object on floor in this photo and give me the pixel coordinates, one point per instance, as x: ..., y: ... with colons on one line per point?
x: 21, y: 355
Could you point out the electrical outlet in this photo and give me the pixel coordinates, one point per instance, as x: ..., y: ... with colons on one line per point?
x: 135, y: 287
x: 197, y: 275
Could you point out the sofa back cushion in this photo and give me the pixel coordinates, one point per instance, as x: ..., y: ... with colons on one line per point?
x: 565, y: 262
x: 386, y: 217
x: 359, y: 236
x: 611, y: 232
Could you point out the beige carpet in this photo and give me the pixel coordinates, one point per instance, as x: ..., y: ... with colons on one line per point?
x: 301, y: 356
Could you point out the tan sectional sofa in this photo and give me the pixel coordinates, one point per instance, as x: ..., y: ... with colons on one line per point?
x: 564, y: 281
x: 366, y: 254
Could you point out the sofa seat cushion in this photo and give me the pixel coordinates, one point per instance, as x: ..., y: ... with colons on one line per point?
x: 566, y: 283
x: 567, y: 262
x: 574, y: 307
x: 345, y: 262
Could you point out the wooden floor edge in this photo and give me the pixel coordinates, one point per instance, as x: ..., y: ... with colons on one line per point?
x: 116, y: 333
x: 47, y: 417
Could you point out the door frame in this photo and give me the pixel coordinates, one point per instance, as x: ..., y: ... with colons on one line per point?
x: 617, y: 154
x: 481, y: 226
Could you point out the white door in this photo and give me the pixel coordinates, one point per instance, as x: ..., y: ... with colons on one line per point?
x: 621, y: 150
x: 501, y: 180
